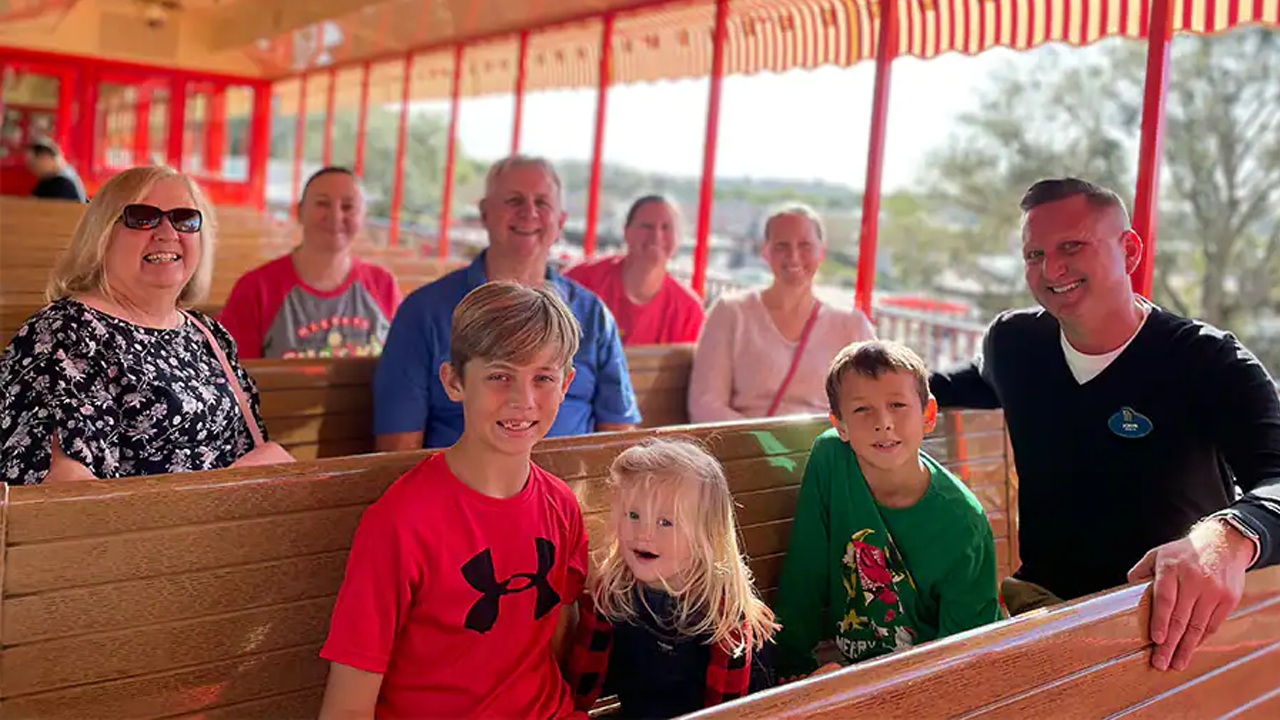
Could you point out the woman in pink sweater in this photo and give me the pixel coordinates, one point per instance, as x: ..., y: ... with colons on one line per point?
x: 765, y: 352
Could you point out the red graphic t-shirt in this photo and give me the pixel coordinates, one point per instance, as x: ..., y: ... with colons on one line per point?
x: 272, y: 313
x: 454, y: 595
x: 674, y: 315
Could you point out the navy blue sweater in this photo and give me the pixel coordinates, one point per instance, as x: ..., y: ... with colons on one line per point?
x: 1131, y: 459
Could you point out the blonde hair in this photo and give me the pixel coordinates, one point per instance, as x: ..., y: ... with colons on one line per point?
x: 717, y: 596
x: 82, y: 267
x: 510, y: 322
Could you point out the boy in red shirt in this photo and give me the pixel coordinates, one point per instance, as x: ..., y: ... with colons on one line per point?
x: 457, y: 573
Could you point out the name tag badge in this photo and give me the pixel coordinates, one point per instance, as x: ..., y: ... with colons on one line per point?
x: 1129, y: 423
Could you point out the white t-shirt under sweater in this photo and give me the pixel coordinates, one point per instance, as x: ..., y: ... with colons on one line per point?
x: 1087, y: 367
x: 742, y: 358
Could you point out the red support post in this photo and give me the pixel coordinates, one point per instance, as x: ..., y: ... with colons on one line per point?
x: 300, y: 138
x: 886, y: 51
x: 1151, y: 142
x: 521, y: 64
x: 142, y: 125
x: 706, y: 193
x: 62, y: 117
x: 215, y: 133
x: 597, y: 152
x: 330, y: 101
x: 402, y: 135
x: 451, y: 150
x: 362, y: 119
x: 260, y: 144
x: 177, y: 121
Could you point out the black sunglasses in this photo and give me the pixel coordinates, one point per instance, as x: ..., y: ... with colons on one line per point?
x: 147, y: 217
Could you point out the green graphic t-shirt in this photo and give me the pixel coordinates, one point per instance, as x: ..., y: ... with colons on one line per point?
x: 888, y: 578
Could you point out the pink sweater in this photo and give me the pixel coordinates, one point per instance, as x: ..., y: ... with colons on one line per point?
x: 741, y: 360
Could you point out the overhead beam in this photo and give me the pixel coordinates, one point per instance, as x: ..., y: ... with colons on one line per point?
x: 243, y: 23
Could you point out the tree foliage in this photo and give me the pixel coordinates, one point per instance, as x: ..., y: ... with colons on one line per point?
x: 426, y: 148
x: 1076, y: 112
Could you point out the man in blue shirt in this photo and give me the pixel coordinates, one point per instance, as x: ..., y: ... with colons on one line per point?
x: 522, y: 212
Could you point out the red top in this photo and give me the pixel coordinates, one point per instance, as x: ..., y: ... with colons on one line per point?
x: 272, y: 313
x: 454, y: 595
x: 674, y: 315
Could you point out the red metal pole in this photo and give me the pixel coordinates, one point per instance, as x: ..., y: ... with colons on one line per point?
x: 177, y: 120
x: 520, y: 78
x: 450, y: 154
x: 260, y: 144
x: 142, y: 126
x: 597, y: 152
x: 1151, y: 143
x: 62, y: 118
x: 330, y: 100
x: 215, y: 131
x: 886, y: 50
x: 706, y: 193
x: 397, y: 188
x: 300, y: 138
x: 362, y: 118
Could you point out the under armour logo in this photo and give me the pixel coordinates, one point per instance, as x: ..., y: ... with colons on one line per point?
x: 478, y: 572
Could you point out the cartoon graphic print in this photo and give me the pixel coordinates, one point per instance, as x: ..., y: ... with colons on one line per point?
x: 874, y: 618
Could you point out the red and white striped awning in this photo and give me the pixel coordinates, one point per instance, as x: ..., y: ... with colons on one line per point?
x: 675, y: 41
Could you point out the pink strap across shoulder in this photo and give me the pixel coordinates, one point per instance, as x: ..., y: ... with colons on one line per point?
x: 795, y: 358
x: 232, y: 380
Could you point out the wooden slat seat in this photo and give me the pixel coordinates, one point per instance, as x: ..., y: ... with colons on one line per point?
x: 1085, y: 659
x: 210, y: 592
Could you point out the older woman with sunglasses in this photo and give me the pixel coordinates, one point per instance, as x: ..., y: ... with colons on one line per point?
x: 114, y: 378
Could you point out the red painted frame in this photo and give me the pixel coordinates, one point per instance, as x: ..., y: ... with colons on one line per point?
x: 77, y: 112
x: 1151, y: 142
x: 597, y: 149
x: 451, y: 154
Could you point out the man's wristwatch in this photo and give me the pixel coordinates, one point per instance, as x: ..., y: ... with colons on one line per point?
x: 1233, y: 519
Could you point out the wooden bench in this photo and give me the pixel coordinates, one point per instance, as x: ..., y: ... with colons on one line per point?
x: 324, y: 408
x: 1085, y: 659
x: 211, y: 592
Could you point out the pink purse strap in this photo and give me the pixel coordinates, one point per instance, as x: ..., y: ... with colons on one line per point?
x: 232, y: 380
x: 795, y: 359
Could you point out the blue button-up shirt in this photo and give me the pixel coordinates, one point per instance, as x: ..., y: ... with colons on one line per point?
x: 408, y: 395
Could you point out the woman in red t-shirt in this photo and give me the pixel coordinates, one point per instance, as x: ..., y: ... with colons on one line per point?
x: 320, y: 300
x: 651, y: 307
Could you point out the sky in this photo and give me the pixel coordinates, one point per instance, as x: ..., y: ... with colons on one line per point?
x: 804, y: 124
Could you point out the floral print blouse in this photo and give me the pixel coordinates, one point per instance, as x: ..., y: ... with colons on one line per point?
x: 124, y: 399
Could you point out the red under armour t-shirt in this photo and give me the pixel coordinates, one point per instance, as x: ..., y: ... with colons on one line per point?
x: 674, y: 315
x: 271, y: 313
x: 454, y: 595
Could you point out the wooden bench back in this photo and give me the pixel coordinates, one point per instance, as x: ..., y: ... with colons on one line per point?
x: 1086, y: 659
x: 324, y: 408
x: 211, y: 592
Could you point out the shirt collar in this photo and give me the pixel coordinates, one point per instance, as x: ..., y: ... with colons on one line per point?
x: 476, y: 275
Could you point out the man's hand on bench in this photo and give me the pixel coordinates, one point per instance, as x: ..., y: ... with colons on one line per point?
x: 1198, y: 581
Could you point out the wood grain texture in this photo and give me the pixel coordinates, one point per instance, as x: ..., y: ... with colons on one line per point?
x: 1087, y: 658
x: 209, y: 593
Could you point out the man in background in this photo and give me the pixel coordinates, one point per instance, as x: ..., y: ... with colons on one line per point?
x: 54, y: 177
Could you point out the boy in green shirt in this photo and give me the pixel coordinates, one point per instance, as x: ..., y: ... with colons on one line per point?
x: 893, y: 546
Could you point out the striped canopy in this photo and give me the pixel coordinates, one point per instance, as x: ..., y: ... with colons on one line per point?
x: 675, y: 41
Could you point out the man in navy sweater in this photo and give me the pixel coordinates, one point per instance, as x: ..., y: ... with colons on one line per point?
x: 1147, y: 444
